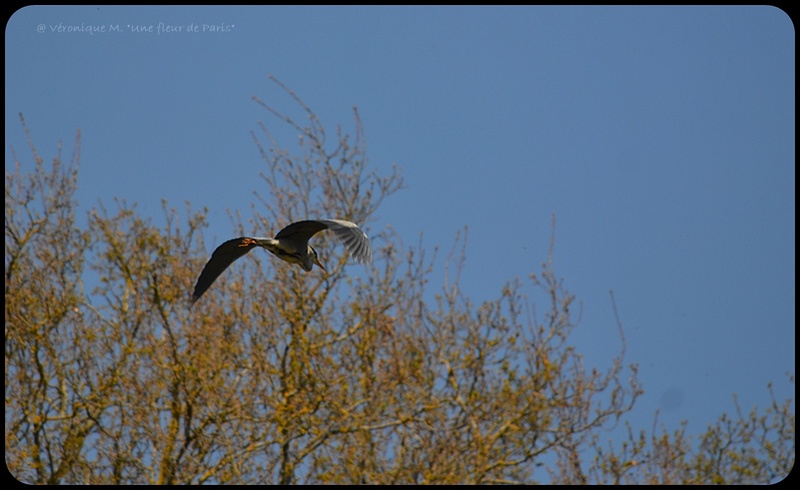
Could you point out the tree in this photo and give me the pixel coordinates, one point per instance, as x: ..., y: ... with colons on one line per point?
x: 350, y: 376
x: 758, y: 447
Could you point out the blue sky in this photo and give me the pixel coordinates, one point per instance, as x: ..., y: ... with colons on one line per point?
x: 661, y: 137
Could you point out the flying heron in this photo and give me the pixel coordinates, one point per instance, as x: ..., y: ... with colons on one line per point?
x: 290, y: 245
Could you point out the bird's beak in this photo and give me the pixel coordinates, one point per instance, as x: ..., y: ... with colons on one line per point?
x: 316, y: 261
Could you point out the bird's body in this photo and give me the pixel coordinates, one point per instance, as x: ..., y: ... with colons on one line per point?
x: 290, y: 245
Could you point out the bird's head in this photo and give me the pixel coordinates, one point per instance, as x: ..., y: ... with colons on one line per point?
x: 314, y: 257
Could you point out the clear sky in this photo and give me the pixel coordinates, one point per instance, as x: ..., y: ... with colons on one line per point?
x: 663, y: 139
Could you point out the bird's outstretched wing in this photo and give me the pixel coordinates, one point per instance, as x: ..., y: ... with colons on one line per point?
x: 222, y: 257
x: 298, y: 233
x: 354, y: 239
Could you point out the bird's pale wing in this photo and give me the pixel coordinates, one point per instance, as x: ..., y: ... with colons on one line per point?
x: 222, y: 257
x: 354, y: 239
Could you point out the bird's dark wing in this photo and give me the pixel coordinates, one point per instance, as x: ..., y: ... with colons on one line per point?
x: 301, y: 230
x: 222, y: 257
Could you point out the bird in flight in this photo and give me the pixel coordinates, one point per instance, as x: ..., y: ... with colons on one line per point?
x: 290, y: 245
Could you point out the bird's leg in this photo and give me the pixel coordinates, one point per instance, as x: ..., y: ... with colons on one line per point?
x: 246, y: 242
